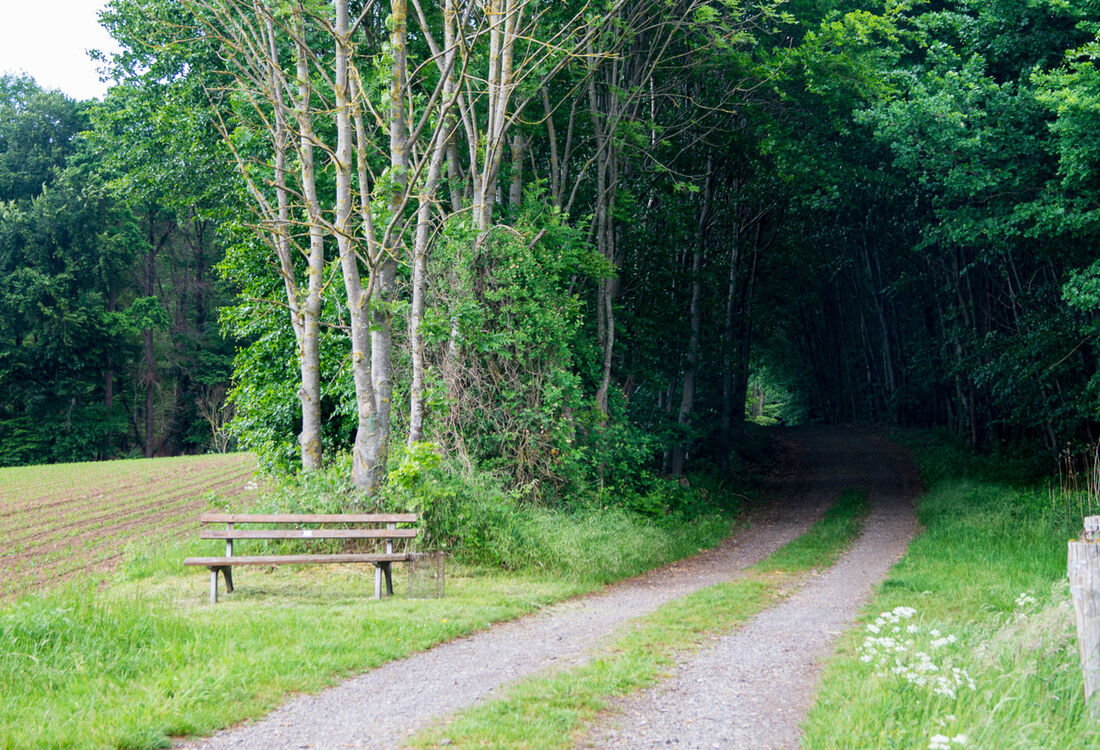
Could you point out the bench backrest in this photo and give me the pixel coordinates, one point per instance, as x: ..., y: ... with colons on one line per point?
x: 309, y: 518
x: 388, y: 533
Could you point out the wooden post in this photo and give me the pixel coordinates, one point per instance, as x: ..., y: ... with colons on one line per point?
x: 1084, y: 588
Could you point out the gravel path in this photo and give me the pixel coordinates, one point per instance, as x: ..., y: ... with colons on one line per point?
x: 752, y: 688
x: 380, y: 708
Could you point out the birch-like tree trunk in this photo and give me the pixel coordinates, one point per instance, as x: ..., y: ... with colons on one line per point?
x: 381, y: 333
x: 310, y: 392
x: 364, y: 474
x: 441, y: 147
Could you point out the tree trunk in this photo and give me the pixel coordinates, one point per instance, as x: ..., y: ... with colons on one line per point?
x: 515, y: 190
x: 687, y: 399
x: 149, y: 378
x: 363, y: 475
x: 381, y: 333
x: 310, y: 393
x: 420, y: 253
x: 726, y: 421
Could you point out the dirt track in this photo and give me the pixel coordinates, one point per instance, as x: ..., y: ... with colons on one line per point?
x: 751, y: 688
x: 379, y: 710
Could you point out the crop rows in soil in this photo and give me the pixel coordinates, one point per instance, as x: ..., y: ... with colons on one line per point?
x: 68, y: 520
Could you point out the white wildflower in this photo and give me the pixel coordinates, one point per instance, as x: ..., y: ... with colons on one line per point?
x: 939, y: 742
x: 905, y: 660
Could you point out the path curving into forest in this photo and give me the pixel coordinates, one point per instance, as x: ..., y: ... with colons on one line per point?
x: 383, y: 707
x: 752, y: 687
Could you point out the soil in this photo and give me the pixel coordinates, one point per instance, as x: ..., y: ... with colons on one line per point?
x: 749, y: 690
x: 83, y: 523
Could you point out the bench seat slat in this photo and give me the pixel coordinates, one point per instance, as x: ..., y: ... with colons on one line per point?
x: 309, y: 518
x: 295, y: 559
x: 308, y: 534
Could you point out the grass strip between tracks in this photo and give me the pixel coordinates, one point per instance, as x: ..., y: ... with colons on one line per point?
x: 550, y: 711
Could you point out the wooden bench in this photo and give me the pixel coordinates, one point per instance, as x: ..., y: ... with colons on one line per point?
x: 381, y: 527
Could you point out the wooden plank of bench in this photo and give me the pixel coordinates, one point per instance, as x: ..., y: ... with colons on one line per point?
x: 309, y: 518
x: 217, y: 562
x: 308, y: 534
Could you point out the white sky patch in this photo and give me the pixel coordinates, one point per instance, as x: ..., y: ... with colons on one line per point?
x: 49, y: 40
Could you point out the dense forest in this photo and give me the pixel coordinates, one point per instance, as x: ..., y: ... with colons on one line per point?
x: 576, y: 244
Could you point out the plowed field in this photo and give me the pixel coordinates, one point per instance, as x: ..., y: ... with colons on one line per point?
x: 61, y: 520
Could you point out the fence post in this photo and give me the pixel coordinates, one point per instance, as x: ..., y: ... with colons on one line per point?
x: 1084, y: 588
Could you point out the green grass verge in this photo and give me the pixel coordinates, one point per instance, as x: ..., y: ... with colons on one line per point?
x: 131, y: 666
x: 549, y: 711
x: 988, y: 572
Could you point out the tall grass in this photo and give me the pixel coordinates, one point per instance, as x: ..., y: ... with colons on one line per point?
x: 136, y: 663
x: 987, y: 582
x: 599, y: 545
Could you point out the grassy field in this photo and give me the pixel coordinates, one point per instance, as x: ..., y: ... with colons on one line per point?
x: 143, y: 660
x: 63, y: 520
x: 127, y: 653
x: 970, y: 642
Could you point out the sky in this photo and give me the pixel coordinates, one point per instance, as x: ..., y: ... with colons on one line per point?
x: 49, y: 39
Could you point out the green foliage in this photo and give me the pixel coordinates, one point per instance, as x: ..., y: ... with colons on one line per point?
x: 473, y: 515
x: 63, y: 256
x: 38, y: 133
x: 515, y: 390
x: 417, y: 461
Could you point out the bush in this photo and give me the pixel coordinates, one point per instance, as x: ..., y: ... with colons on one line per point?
x: 472, y: 515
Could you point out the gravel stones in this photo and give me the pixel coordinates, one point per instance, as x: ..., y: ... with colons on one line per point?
x: 752, y: 688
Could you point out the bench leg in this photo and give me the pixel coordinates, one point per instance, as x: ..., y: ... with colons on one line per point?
x: 377, y: 581
x: 228, y: 573
x: 389, y: 578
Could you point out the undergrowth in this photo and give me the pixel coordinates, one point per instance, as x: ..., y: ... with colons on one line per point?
x: 983, y: 653
x: 474, y: 517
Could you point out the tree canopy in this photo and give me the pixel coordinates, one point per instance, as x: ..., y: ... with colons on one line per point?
x: 577, y: 243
